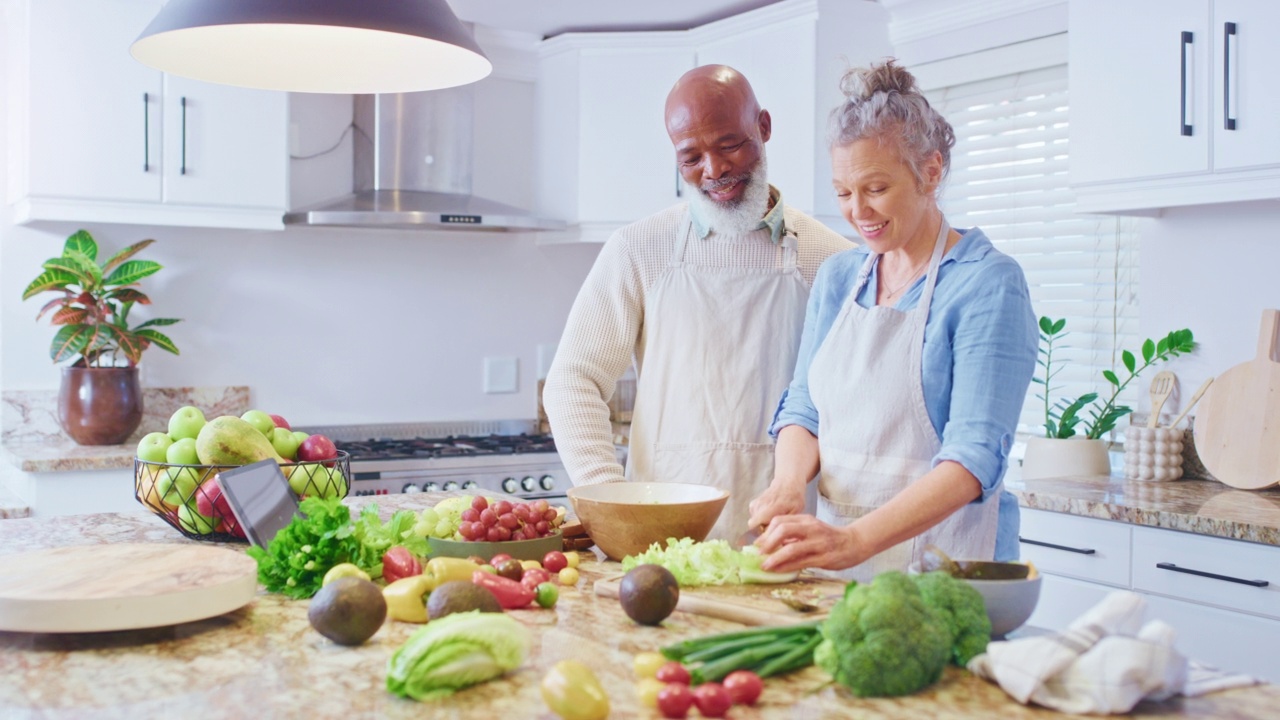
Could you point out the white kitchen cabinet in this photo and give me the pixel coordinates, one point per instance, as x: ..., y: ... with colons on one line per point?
x: 1220, y: 619
x: 604, y: 158
x: 1154, y: 87
x: 99, y: 137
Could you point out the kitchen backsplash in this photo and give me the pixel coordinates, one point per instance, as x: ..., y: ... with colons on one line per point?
x: 31, y: 416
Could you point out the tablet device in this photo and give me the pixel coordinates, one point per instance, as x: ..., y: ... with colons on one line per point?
x: 260, y: 498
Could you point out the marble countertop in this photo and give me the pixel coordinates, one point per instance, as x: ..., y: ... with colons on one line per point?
x: 12, y: 506
x: 1204, y: 507
x: 264, y: 660
x: 64, y: 454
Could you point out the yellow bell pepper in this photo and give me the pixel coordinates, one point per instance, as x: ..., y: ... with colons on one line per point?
x: 441, y: 570
x: 573, y: 692
x: 407, y: 599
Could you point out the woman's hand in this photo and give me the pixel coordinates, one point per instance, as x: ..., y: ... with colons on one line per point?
x: 781, y: 498
x: 796, y: 542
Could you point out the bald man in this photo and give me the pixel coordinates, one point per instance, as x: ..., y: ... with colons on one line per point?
x: 707, y: 298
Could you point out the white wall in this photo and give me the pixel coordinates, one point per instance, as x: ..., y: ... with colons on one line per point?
x: 329, y: 325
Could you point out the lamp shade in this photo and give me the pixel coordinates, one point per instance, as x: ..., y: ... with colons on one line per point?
x: 321, y: 46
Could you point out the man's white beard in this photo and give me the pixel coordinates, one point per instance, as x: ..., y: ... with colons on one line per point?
x: 739, y: 216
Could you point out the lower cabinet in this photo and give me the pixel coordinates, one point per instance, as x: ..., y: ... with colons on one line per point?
x: 1222, y: 596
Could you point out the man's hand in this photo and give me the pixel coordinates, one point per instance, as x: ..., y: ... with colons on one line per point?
x: 781, y: 498
x: 796, y: 542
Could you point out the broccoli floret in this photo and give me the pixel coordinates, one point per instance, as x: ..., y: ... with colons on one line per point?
x: 881, y: 639
x: 962, y: 610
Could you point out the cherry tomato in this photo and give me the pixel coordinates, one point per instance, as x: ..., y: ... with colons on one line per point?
x: 646, y: 664
x: 673, y: 672
x: 555, y: 561
x: 674, y: 700
x: 647, y: 690
x: 743, y: 687
x: 496, y: 559
x: 567, y: 576
x: 573, y: 558
x: 712, y: 699
x: 546, y: 594
x: 534, y: 577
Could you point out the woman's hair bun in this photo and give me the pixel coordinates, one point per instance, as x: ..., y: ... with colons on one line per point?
x: 861, y: 83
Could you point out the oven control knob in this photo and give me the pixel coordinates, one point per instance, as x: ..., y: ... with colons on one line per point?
x: 430, y: 487
x: 450, y: 485
x: 509, y: 485
x: 410, y: 488
x: 470, y: 485
x: 547, y: 482
x: 529, y: 484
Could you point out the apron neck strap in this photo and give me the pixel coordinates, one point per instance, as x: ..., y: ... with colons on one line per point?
x: 931, y: 280
x: 682, y: 240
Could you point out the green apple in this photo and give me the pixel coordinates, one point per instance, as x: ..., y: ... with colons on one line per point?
x: 285, y: 443
x: 260, y: 420
x: 177, y: 485
x: 153, y: 447
x: 182, y: 452
x: 308, y: 479
x: 332, y: 486
x: 193, y: 522
x: 300, y: 435
x: 186, y: 423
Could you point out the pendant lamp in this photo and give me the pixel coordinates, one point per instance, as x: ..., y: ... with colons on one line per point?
x: 319, y: 46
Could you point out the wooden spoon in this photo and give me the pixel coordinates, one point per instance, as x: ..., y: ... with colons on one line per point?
x: 1161, y: 389
x: 1194, y: 399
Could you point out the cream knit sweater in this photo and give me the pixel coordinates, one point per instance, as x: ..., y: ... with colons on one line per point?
x: 605, y: 331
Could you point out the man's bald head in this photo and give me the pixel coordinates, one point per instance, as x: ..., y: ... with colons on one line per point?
x: 706, y: 87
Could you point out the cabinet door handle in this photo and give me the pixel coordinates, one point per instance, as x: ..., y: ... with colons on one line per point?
x: 1186, y: 127
x: 146, y: 132
x: 183, y: 170
x: 1228, y: 42
x: 1201, y: 573
x: 1041, y: 543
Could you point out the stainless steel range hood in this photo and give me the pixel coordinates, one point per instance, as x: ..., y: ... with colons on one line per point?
x: 413, y: 155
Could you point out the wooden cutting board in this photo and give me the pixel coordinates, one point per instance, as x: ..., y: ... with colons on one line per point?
x: 1237, y: 428
x: 748, y: 604
x: 93, y: 588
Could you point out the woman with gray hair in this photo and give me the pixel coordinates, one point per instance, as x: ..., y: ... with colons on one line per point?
x: 917, y: 351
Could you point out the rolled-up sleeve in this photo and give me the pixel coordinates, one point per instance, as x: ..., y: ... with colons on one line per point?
x: 994, y: 343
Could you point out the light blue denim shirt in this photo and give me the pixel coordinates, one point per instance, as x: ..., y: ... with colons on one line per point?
x: 979, y: 355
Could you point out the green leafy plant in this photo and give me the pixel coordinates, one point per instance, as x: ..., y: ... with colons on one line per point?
x: 93, y: 304
x: 1061, y: 418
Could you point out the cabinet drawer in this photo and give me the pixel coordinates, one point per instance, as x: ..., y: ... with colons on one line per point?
x: 1166, y: 562
x: 1062, y: 600
x: 1221, y: 638
x: 1074, y: 546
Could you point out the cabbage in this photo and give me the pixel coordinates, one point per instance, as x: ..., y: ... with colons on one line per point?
x: 707, y: 563
x: 454, y: 652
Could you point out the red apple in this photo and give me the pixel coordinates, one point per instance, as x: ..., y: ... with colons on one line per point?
x: 211, y: 503
x: 281, y: 422
x: 316, y: 448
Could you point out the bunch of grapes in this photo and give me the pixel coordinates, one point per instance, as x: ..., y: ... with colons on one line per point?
x: 505, y: 520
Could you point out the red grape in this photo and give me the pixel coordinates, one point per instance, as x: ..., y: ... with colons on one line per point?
x: 504, y: 533
x: 539, y: 506
x: 493, y: 534
x: 517, y: 535
x: 544, y: 527
x: 522, y: 511
x: 549, y: 514
x: 464, y: 529
x: 479, y: 503
x: 509, y: 521
x: 502, y: 507
x: 488, y: 517
x: 470, y: 515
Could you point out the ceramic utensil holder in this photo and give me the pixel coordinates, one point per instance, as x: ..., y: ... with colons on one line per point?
x: 1153, y: 454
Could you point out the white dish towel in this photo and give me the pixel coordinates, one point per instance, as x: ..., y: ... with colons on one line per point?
x: 1106, y: 662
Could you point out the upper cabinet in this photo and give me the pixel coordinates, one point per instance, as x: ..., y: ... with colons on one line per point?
x: 603, y: 155
x: 1173, y: 105
x: 99, y: 137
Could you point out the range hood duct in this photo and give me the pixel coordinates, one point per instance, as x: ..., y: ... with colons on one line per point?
x: 413, y: 160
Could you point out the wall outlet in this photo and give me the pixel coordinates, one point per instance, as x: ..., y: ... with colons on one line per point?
x: 501, y: 375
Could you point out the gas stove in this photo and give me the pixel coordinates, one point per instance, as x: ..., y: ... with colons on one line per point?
x: 501, y: 456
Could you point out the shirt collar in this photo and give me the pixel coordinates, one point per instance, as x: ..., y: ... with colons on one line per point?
x: 774, y: 219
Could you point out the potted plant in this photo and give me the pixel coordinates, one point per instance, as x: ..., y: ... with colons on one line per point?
x: 1086, y: 454
x: 99, y: 401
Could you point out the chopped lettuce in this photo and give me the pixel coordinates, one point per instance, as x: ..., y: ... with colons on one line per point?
x: 378, y: 536
x: 454, y: 652
x: 707, y: 563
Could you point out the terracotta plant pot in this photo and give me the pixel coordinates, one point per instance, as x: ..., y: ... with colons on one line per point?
x: 1073, y: 457
x: 100, y: 406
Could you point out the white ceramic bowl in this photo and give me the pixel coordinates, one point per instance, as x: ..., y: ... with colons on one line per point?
x: 1009, y: 602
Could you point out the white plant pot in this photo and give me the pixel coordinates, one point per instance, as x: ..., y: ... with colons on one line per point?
x: 1072, y: 457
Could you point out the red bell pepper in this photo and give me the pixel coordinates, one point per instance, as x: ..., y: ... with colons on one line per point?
x: 511, y: 595
x: 398, y: 563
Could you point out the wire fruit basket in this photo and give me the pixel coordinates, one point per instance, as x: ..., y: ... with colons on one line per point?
x: 188, y: 498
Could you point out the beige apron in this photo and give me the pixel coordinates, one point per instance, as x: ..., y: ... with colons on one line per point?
x: 720, y: 348
x: 874, y: 433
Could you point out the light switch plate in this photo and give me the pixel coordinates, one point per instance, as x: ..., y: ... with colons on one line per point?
x: 501, y: 375
x: 546, y: 353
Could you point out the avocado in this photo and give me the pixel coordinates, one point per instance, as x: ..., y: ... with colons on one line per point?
x: 348, y: 610
x: 460, y: 596
x: 649, y: 594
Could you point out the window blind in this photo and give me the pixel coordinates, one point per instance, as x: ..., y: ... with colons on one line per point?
x: 1009, y: 177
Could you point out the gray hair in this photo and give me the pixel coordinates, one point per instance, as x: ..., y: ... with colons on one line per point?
x: 882, y: 102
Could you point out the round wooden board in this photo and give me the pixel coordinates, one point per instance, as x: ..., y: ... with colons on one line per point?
x: 95, y: 588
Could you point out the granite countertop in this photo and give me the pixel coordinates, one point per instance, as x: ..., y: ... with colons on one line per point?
x: 12, y: 506
x: 1204, y: 507
x: 64, y: 454
x: 264, y: 660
